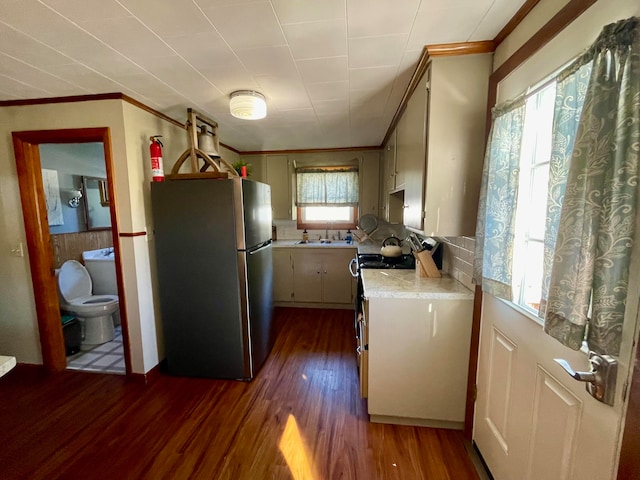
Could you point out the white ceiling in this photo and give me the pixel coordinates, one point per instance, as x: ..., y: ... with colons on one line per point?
x: 333, y: 71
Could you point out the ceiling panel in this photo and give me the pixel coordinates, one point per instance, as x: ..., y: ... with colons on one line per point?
x: 324, y: 69
x: 81, y: 10
x: 29, y: 50
x: 367, y: 52
x: 303, y: 39
x: 333, y: 72
x: 369, y: 18
x: 321, y: 92
x: 295, y: 11
x: 169, y: 18
x: 268, y: 60
x: 372, y: 78
x: 498, y: 15
x: 248, y: 25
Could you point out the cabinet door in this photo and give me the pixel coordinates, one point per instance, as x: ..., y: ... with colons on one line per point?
x: 336, y: 279
x: 403, y: 148
x: 279, y: 177
x: 455, y: 148
x: 369, y: 183
x: 390, y: 162
x: 307, y: 276
x: 419, y: 358
x: 282, y: 275
x: 416, y: 115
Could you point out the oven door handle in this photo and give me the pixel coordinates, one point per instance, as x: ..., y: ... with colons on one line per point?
x: 353, y: 267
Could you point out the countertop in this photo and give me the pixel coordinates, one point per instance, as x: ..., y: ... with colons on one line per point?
x: 6, y: 364
x: 405, y: 284
x: 314, y: 244
x: 363, y: 247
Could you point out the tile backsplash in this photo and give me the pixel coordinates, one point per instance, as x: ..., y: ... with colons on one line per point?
x: 458, y: 258
x: 287, y: 230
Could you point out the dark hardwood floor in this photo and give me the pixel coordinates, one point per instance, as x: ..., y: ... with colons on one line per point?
x: 301, y: 418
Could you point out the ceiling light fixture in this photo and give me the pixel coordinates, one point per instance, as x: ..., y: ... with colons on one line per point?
x: 248, y: 105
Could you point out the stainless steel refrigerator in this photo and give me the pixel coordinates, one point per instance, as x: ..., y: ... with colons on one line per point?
x: 214, y: 267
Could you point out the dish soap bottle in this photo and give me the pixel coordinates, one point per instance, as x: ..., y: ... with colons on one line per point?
x: 349, y: 237
x: 305, y: 236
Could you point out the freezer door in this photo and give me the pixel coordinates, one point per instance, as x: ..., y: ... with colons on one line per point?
x: 256, y: 206
x: 260, y: 303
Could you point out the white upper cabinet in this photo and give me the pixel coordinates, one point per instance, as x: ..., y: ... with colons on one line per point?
x: 279, y: 172
x: 279, y: 177
x: 369, y: 177
x: 439, y: 147
x: 456, y: 140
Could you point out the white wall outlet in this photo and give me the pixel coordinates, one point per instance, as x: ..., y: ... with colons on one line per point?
x: 17, y: 250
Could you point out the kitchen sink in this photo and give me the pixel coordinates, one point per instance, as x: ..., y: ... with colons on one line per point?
x: 304, y: 242
x: 323, y: 242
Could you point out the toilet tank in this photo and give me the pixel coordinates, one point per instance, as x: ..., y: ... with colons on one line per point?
x: 102, y: 268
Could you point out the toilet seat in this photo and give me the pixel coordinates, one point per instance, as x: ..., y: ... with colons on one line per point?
x: 75, y: 287
x: 94, y: 312
x: 74, y: 281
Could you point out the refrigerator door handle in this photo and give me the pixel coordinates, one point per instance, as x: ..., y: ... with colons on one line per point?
x: 261, y: 247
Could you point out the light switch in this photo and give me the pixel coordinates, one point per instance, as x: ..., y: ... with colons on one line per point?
x: 17, y: 251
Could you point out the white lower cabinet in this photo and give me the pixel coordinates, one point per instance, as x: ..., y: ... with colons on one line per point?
x: 282, y: 275
x: 313, y: 275
x: 418, y: 356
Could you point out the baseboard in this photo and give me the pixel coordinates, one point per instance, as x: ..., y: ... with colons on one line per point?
x: 145, y: 378
x: 478, y: 462
x: 334, y: 306
x: 416, y: 422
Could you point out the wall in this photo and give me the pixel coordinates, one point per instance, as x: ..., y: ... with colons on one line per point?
x: 72, y: 162
x: 69, y: 246
x: 558, y: 52
x: 130, y: 129
x: 369, y: 176
x: 536, y: 18
x: 140, y: 273
x: 561, y: 49
x: 18, y: 324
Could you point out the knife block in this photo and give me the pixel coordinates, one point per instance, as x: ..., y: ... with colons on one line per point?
x: 425, y: 266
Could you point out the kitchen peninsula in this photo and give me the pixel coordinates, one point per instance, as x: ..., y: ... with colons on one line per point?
x: 415, y: 361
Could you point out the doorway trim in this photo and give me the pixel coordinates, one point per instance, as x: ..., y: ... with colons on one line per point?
x: 34, y: 210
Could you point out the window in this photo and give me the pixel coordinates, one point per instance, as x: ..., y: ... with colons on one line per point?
x: 327, y: 197
x: 524, y: 182
x: 531, y: 211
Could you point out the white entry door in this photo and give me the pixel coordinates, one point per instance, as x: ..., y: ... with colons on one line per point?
x: 532, y: 420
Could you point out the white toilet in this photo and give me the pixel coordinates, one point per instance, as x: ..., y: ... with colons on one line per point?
x: 94, y: 312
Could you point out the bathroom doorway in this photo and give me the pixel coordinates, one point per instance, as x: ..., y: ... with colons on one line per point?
x: 41, y: 254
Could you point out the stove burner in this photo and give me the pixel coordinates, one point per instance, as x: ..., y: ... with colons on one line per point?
x: 376, y: 260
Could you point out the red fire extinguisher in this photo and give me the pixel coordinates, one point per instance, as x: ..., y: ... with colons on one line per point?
x: 157, y: 172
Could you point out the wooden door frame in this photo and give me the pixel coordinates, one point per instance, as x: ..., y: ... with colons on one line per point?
x: 34, y: 210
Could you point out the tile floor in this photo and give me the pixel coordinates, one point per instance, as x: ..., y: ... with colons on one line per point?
x: 105, y: 358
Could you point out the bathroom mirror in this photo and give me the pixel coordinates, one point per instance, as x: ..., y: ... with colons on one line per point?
x: 96, y: 202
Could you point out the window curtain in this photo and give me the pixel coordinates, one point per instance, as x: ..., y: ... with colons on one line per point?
x: 328, y: 187
x: 495, y: 228
x: 571, y: 89
x: 597, y: 221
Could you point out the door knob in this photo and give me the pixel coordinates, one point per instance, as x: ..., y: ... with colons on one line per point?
x: 580, y: 376
x: 601, y: 379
